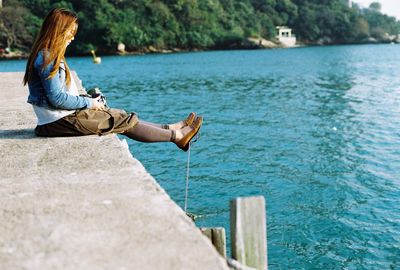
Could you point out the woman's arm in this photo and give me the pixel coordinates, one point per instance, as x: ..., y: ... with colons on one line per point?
x: 54, y: 88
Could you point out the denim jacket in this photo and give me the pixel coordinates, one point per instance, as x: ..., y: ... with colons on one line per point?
x: 53, y: 92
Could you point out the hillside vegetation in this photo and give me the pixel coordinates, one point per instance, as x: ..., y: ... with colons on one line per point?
x: 144, y: 25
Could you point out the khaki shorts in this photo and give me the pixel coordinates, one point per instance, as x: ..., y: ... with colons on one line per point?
x: 89, y: 122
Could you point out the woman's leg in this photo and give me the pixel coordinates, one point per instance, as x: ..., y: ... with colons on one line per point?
x: 187, y: 122
x: 163, y: 126
x: 149, y: 132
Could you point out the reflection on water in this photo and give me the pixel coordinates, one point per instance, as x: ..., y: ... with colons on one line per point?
x: 314, y: 130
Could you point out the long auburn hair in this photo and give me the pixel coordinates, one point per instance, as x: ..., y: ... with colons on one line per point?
x: 52, y: 38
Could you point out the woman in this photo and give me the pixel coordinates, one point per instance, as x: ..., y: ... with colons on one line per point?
x: 62, y: 112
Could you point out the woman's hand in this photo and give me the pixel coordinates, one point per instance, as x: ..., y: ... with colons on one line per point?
x: 97, y: 104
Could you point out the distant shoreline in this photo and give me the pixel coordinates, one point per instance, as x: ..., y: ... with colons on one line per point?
x: 252, y: 44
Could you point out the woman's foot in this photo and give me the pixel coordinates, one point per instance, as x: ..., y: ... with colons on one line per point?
x: 186, y: 134
x: 187, y: 122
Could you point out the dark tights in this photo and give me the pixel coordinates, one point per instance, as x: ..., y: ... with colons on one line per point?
x: 150, y: 132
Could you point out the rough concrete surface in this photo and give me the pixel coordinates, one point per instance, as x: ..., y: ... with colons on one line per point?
x: 84, y: 202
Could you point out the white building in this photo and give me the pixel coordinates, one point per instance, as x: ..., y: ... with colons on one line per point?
x: 285, y: 36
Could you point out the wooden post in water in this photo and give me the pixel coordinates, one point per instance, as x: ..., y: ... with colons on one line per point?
x: 217, y: 238
x: 249, y: 232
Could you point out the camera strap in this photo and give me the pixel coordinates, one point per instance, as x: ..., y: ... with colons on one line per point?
x: 192, y: 216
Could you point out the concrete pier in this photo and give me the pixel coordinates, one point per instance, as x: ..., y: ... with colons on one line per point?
x: 84, y: 202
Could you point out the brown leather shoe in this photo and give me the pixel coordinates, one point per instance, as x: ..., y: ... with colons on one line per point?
x: 190, y: 119
x: 185, y: 141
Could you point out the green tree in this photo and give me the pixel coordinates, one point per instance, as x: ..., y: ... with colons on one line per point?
x: 15, y: 30
x: 375, y: 6
x: 194, y: 24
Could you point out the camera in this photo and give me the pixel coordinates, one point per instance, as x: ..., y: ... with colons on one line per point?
x: 95, y: 93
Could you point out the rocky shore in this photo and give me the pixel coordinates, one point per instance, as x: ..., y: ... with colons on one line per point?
x: 247, y: 44
x: 13, y: 54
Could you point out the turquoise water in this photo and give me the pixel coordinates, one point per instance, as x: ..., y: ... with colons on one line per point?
x: 314, y: 130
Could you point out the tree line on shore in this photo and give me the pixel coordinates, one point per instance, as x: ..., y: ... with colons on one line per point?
x: 196, y: 24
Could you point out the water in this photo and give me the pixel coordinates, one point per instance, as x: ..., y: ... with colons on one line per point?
x: 314, y: 130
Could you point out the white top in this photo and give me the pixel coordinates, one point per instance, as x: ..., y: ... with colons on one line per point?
x: 47, y: 115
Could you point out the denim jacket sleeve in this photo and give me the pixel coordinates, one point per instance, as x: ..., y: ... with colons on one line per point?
x: 55, y: 88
